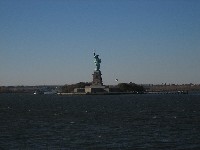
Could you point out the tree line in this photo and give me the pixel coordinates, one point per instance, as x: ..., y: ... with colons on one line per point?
x: 130, y: 87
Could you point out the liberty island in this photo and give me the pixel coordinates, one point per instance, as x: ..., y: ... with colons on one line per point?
x: 97, y: 86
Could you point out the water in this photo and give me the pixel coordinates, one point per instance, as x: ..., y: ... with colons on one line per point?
x: 99, y: 122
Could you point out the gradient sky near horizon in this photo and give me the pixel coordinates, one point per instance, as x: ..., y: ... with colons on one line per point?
x: 141, y: 41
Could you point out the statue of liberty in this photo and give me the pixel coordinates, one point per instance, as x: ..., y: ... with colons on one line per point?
x: 97, y: 62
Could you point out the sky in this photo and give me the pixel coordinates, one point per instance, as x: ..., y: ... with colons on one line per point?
x: 51, y: 42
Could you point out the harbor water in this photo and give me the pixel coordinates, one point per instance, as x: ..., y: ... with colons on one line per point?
x: 115, y: 122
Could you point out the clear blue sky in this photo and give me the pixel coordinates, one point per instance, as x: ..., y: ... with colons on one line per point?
x: 140, y: 41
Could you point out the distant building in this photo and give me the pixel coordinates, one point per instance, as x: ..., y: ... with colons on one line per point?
x: 79, y: 90
x: 94, y: 89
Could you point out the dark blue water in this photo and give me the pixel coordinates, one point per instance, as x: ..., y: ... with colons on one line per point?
x: 99, y: 122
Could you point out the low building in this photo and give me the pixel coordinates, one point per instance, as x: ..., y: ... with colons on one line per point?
x: 79, y: 90
x: 95, y: 89
x: 112, y: 89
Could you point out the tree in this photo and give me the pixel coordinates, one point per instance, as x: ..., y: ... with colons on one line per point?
x: 130, y: 87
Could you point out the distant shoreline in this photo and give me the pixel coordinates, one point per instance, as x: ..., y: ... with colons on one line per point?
x: 149, y: 89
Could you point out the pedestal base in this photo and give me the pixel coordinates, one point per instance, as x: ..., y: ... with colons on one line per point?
x: 97, y: 79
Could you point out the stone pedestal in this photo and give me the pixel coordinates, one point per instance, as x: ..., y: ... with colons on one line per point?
x: 97, y: 79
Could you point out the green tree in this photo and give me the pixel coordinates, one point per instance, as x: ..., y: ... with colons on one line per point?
x: 130, y: 87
